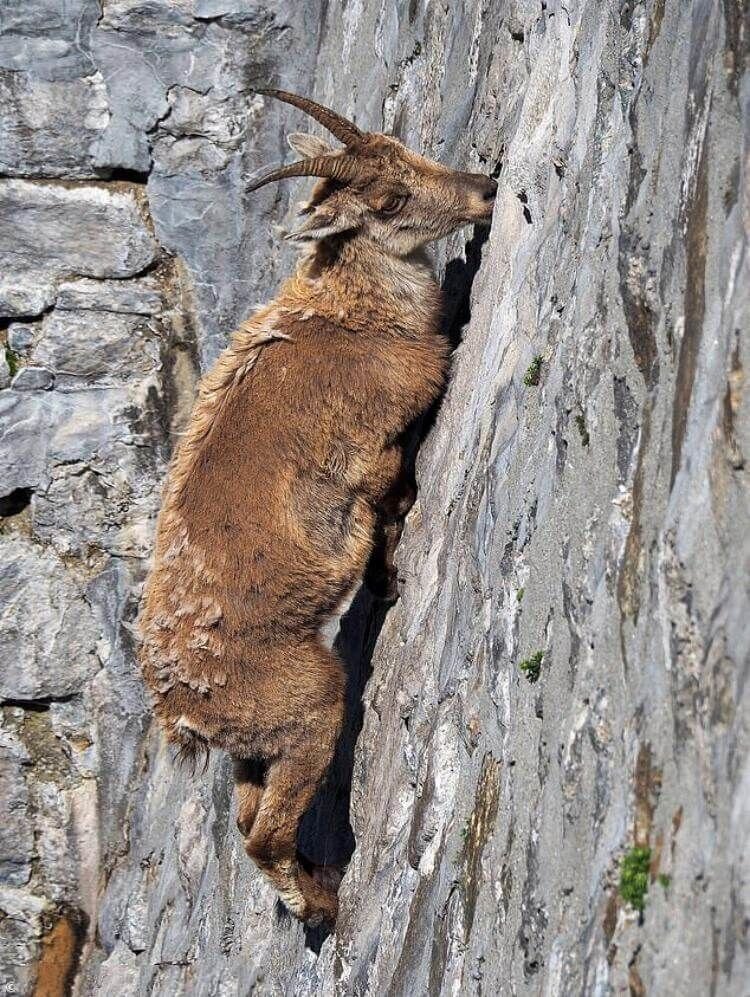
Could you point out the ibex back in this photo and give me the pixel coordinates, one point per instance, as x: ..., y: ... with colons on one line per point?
x: 290, y: 481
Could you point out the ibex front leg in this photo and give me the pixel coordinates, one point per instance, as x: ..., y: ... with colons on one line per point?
x: 249, y: 782
x: 381, y: 576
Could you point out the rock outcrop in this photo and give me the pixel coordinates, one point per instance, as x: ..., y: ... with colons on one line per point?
x: 544, y: 784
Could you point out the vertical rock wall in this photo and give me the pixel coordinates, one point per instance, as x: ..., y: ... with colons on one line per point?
x: 560, y: 693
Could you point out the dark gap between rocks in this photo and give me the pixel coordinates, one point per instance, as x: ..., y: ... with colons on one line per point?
x: 524, y: 199
x: 15, y: 502
x: 40, y: 705
x: 122, y: 175
x: 24, y: 319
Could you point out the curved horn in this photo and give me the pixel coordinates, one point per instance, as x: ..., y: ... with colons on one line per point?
x: 344, y: 130
x: 335, y: 167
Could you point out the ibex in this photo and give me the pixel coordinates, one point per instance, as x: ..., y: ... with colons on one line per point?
x: 289, y: 482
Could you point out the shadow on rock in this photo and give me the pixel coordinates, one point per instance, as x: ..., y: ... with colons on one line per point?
x: 459, y: 280
x: 326, y: 835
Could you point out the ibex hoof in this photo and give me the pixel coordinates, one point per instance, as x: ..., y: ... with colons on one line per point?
x: 328, y: 877
x: 323, y: 915
x: 244, y: 827
x: 383, y: 587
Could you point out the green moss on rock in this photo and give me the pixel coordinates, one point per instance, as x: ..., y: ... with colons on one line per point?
x: 531, y: 667
x: 534, y: 372
x: 634, y: 877
x: 11, y: 359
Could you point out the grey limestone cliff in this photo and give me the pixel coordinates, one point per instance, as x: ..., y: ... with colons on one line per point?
x: 549, y: 730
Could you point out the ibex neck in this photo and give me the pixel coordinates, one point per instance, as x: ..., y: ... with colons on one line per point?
x: 356, y: 283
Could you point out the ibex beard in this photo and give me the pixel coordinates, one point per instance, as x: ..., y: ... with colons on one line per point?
x: 289, y: 485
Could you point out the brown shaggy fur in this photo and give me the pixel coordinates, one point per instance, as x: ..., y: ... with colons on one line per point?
x: 291, y: 465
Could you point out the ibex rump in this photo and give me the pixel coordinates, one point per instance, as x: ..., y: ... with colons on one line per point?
x: 291, y: 467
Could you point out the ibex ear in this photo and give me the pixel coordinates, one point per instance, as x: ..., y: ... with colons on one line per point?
x: 309, y: 146
x: 321, y: 223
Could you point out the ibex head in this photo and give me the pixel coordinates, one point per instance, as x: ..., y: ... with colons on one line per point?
x: 377, y: 188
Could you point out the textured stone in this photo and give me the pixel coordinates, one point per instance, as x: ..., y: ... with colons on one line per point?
x: 133, y: 297
x: 21, y: 921
x: 52, y: 429
x: 36, y: 138
x: 33, y: 379
x: 16, y: 830
x: 94, y: 345
x: 47, y: 633
x: 21, y: 336
x: 22, y: 295
x: 48, y: 38
x: 598, y: 516
x: 4, y: 370
x: 51, y: 230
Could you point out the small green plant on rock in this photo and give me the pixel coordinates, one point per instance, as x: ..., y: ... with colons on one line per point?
x: 634, y: 877
x: 12, y: 361
x: 519, y: 594
x: 534, y: 372
x: 532, y: 666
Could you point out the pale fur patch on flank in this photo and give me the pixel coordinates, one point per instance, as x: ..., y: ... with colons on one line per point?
x: 330, y: 629
x: 191, y: 742
x: 184, y: 727
x: 182, y: 643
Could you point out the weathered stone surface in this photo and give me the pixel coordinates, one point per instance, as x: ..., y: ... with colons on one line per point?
x: 20, y: 336
x: 598, y: 516
x: 22, y: 922
x: 47, y: 633
x: 4, y: 370
x: 24, y: 295
x: 33, y: 379
x: 51, y: 230
x: 16, y: 830
x: 50, y: 429
x: 96, y: 345
x: 133, y: 297
x: 36, y: 138
x: 48, y: 37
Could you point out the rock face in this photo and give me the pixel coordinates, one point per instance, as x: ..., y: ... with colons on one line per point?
x: 549, y: 730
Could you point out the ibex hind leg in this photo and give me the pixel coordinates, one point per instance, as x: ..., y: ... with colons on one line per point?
x: 249, y: 784
x: 291, y: 781
x: 272, y: 843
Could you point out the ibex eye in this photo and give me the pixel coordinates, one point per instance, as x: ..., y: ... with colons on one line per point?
x: 392, y: 203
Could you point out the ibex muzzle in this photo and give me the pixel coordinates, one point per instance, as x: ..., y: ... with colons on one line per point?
x: 480, y: 192
x: 289, y: 485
